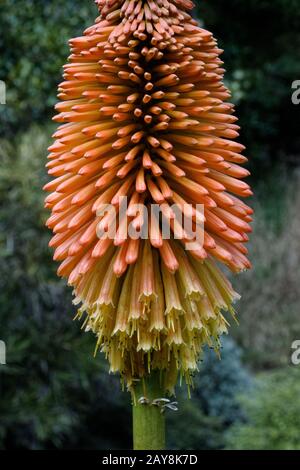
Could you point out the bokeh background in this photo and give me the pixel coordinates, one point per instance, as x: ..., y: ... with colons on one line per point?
x: 53, y: 393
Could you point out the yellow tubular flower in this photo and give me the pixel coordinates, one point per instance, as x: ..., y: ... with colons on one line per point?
x: 144, y: 115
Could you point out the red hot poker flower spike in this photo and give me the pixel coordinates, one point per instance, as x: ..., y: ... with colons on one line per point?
x: 144, y: 115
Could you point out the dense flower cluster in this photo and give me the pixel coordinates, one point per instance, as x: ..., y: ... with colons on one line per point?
x: 143, y: 114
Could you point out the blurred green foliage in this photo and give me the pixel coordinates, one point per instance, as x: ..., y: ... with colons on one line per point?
x: 214, y: 406
x: 261, y: 41
x: 269, y: 308
x: 273, y: 414
x: 33, y: 48
x: 219, y: 382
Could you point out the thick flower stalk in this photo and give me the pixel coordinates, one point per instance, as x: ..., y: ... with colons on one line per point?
x: 144, y: 115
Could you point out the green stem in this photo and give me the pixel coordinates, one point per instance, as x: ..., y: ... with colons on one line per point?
x: 148, y: 421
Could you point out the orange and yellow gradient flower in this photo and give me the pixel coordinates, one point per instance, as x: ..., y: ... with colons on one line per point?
x: 144, y: 114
